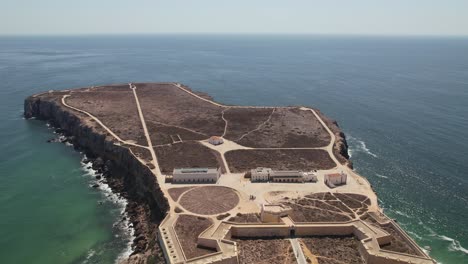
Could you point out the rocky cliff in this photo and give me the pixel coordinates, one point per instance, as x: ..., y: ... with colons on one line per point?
x: 125, y: 174
x: 340, y: 148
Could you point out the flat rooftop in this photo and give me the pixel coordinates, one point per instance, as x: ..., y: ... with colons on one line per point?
x: 195, y: 170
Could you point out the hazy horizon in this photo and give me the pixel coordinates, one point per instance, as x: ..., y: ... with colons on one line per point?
x: 304, y: 17
x: 233, y: 34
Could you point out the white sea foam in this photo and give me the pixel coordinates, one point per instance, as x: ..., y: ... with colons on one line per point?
x: 425, y: 251
x: 402, y: 214
x: 415, y: 235
x: 454, y: 244
x: 91, y: 253
x: 381, y: 176
x: 126, y: 229
x: 357, y: 145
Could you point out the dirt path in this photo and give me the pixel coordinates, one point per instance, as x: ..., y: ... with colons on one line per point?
x: 309, y: 255
x: 259, y: 126
x: 178, y: 85
x: 225, y: 122
x: 145, y: 129
x: 100, y: 123
x: 328, y: 148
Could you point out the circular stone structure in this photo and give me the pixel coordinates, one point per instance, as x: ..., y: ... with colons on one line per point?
x: 209, y: 200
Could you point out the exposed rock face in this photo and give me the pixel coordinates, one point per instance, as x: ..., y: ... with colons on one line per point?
x: 126, y: 175
x: 340, y: 148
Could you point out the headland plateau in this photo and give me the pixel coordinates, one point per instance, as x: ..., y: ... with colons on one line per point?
x: 214, y: 183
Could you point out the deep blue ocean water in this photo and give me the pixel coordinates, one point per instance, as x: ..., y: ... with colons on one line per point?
x: 402, y: 102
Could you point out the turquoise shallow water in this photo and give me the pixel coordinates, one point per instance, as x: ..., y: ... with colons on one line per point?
x: 403, y: 102
x: 49, y: 212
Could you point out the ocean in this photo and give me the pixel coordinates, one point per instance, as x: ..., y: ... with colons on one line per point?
x: 401, y: 101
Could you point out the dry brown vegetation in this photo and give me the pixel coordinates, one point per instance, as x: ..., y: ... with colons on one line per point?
x: 141, y: 153
x: 246, y: 218
x: 114, y: 106
x: 209, y: 200
x: 175, y: 119
x: 167, y: 104
x: 188, y: 228
x: 186, y: 155
x: 397, y: 243
x: 165, y: 134
x: 243, y: 120
x: 288, y: 128
x: 269, y: 251
x: 284, y: 159
x: 334, y: 249
x: 175, y: 193
x: 328, y: 207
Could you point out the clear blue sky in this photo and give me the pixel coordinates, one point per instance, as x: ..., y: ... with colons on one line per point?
x: 383, y: 17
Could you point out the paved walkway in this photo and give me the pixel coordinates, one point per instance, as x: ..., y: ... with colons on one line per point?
x: 298, y: 251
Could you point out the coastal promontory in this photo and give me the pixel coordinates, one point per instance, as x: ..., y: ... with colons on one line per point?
x: 214, y: 183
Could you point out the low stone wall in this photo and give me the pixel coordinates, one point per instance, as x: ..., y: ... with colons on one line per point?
x: 260, y: 231
x: 332, y: 230
x: 208, y: 242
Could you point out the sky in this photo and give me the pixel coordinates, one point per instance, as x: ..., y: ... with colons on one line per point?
x: 361, y: 17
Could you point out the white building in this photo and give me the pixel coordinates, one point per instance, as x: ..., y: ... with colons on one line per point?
x: 267, y: 174
x: 260, y: 174
x: 214, y: 140
x: 310, y: 177
x: 287, y: 176
x: 334, y: 179
x: 195, y: 175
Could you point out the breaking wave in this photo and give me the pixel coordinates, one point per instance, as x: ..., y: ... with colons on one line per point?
x: 454, y: 244
x: 381, y: 176
x: 357, y: 145
x: 123, y: 225
x: 402, y: 214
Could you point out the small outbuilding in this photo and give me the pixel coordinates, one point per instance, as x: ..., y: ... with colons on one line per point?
x: 272, y: 213
x: 334, y: 179
x: 215, y: 140
x: 310, y: 177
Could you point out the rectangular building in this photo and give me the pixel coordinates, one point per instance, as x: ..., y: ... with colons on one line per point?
x: 260, y: 174
x: 287, y: 176
x: 267, y: 174
x: 334, y: 179
x: 195, y: 175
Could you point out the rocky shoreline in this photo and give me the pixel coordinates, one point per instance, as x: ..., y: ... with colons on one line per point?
x: 123, y: 173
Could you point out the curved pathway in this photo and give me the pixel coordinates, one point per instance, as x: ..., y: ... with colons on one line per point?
x: 100, y: 123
